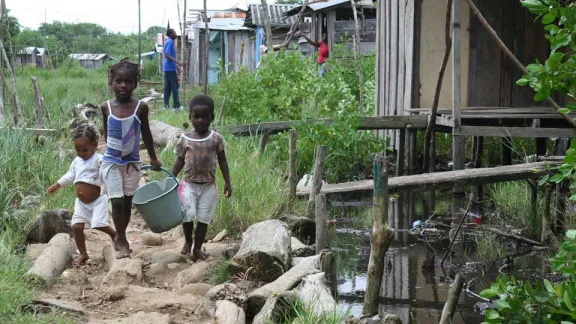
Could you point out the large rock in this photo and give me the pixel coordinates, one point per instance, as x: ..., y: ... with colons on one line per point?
x: 229, y: 313
x: 265, y: 249
x: 302, y: 228
x: 196, y: 273
x: 287, y: 281
x: 299, y: 249
x: 164, y: 134
x: 315, y: 294
x: 167, y: 257
x: 152, y: 239
x: 196, y: 289
x: 138, y: 318
x: 33, y: 251
x: 122, y: 272
x: 48, y: 224
x: 157, y: 269
x: 277, y: 308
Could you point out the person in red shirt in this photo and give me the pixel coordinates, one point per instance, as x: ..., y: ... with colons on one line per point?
x: 323, y: 52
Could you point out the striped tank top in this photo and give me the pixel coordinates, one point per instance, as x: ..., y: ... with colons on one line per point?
x: 122, y: 138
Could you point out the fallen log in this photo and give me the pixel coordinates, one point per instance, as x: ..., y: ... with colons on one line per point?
x: 277, y: 308
x: 265, y: 250
x: 315, y: 295
x: 287, y: 281
x: 53, y: 260
x: 229, y: 313
x: 510, y: 235
x: 299, y: 249
x: 122, y: 272
x: 164, y: 134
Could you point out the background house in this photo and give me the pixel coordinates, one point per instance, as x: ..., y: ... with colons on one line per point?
x: 91, y: 61
x: 26, y: 56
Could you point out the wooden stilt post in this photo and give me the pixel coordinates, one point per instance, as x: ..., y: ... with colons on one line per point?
x: 478, y: 149
x: 546, y: 216
x: 292, y: 174
x: 562, y: 191
x: 321, y: 219
x: 541, y: 146
x: 534, y: 198
x: 507, y: 151
x: 206, y: 49
x: 380, y: 237
x: 317, y: 178
x: 453, y: 296
x: 264, y: 142
x: 400, y: 160
x: 38, y: 103
x: 267, y: 28
x: 458, y: 143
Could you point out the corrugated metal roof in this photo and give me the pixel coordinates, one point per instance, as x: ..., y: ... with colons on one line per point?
x: 223, y: 24
x: 40, y: 50
x: 28, y: 51
x: 325, y: 4
x: 88, y: 57
x: 277, y: 18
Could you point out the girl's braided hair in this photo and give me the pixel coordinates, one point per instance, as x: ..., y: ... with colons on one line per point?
x: 85, y: 131
x: 125, y: 64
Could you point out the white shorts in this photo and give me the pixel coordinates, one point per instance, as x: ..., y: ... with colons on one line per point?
x: 120, y: 180
x: 95, y: 214
x: 198, y: 201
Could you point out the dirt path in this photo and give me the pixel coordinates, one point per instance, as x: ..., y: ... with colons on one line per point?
x: 156, y: 295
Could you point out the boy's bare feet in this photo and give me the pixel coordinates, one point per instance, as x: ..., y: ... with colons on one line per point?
x: 199, y: 255
x: 187, y: 248
x: 80, y: 259
x: 123, y: 249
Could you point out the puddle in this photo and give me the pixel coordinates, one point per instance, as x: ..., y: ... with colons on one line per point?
x: 414, y: 294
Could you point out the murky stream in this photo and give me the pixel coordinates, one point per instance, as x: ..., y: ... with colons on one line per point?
x: 414, y: 294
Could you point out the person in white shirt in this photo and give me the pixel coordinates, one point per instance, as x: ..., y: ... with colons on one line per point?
x: 91, y: 207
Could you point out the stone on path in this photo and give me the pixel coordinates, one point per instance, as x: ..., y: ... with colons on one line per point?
x: 122, y: 272
x: 33, y: 251
x: 276, y: 308
x: 315, y: 294
x: 157, y: 269
x: 197, y: 289
x: 167, y: 257
x: 196, y: 273
x: 220, y: 236
x: 138, y: 318
x: 152, y: 239
x: 265, y: 249
x: 229, y: 313
x: 53, y: 260
x: 227, y: 291
x: 63, y: 305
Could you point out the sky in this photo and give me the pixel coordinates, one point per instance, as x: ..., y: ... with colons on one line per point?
x: 114, y: 15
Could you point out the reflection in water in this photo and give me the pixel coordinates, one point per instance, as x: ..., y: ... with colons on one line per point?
x: 414, y: 287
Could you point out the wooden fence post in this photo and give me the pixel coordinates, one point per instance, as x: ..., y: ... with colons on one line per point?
x: 316, y: 179
x: 452, y: 302
x: 38, y: 103
x: 321, y: 218
x: 264, y: 142
x: 380, y: 237
x: 292, y: 174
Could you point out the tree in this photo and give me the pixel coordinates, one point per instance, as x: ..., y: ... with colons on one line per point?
x: 558, y: 72
x: 152, y: 31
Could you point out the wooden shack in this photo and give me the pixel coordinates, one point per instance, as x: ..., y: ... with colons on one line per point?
x: 26, y: 56
x: 279, y: 24
x: 90, y: 61
x: 231, y: 44
x: 335, y: 19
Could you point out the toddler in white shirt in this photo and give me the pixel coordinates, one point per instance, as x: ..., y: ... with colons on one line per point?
x: 90, y: 207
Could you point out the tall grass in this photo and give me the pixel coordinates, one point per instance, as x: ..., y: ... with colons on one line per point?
x: 27, y: 167
x: 514, y: 206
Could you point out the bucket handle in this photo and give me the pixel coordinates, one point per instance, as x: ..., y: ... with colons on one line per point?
x: 149, y: 167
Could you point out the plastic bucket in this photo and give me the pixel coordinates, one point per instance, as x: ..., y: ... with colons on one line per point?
x: 159, y: 204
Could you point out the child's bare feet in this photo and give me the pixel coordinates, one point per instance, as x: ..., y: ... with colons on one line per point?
x: 123, y: 248
x: 80, y: 259
x: 187, y: 248
x: 199, y: 255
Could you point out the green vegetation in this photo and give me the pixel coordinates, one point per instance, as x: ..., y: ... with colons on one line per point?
x: 542, y: 302
x: 514, y: 207
x: 219, y: 273
x: 307, y: 314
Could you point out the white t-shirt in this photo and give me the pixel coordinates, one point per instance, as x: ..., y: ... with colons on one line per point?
x: 83, y: 171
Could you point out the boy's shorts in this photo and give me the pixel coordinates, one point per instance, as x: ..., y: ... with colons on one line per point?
x: 95, y: 214
x: 120, y: 180
x: 198, y: 201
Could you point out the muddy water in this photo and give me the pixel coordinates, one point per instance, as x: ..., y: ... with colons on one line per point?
x: 416, y: 295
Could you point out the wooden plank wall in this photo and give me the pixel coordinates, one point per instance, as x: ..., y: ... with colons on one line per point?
x: 395, y: 60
